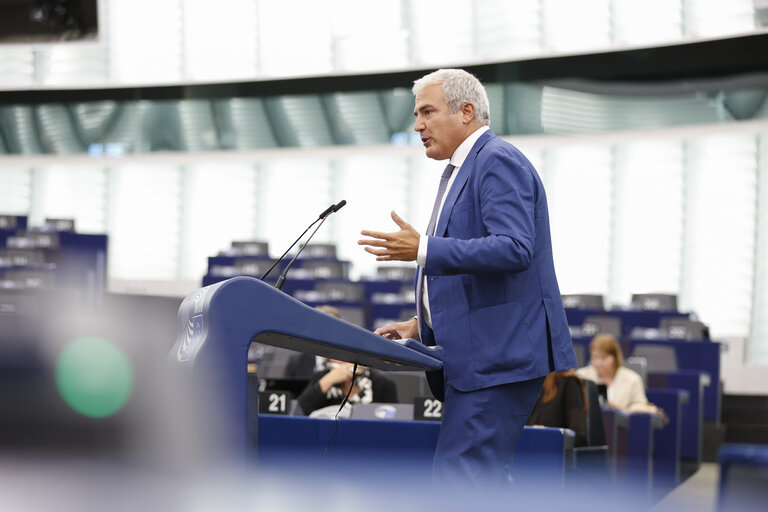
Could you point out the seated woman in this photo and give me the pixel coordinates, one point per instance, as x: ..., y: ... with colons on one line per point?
x: 562, y: 403
x: 625, y: 387
x: 330, y: 385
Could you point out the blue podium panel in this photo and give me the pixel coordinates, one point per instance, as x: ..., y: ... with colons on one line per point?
x: 217, y: 324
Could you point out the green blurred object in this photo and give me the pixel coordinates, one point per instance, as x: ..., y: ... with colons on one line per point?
x: 94, y: 377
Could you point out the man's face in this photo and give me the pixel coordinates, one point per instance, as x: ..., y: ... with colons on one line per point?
x: 441, y: 131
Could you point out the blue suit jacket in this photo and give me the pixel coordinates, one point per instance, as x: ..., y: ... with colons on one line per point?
x: 495, y: 304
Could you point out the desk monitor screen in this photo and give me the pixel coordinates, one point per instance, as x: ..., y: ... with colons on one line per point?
x: 377, y: 411
x: 602, y: 392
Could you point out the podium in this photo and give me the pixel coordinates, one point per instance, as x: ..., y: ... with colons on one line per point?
x: 217, y: 323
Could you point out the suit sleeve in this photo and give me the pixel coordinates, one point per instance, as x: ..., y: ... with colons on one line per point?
x: 506, y: 193
x: 312, y: 397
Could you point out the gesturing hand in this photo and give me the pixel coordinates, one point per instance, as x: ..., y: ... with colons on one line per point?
x: 400, y: 245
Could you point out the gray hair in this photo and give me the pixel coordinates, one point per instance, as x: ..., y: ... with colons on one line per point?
x: 459, y: 87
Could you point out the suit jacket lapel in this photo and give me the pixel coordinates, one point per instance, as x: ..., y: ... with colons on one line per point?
x: 459, y: 182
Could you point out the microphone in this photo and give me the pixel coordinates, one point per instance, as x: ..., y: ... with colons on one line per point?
x: 327, y: 211
x: 320, y: 217
x: 334, y: 208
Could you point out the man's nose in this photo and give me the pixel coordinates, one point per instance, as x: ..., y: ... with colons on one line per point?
x: 418, y: 125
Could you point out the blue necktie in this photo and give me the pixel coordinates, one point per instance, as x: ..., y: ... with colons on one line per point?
x: 431, y: 231
x: 440, y: 193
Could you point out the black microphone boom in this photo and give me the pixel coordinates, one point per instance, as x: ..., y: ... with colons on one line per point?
x: 325, y: 213
x: 281, y: 279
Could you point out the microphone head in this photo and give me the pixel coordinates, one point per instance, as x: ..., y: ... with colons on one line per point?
x: 339, y: 206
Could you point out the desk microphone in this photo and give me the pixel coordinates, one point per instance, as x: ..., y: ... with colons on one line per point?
x: 321, y: 218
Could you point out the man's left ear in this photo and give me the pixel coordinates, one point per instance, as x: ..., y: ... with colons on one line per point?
x: 468, y: 112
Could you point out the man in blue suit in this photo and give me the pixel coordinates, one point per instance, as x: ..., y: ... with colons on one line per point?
x: 486, y: 286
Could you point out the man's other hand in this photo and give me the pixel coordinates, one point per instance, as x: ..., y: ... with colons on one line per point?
x: 400, y: 330
x: 400, y: 245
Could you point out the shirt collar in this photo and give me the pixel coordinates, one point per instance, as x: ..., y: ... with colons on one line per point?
x: 458, y: 157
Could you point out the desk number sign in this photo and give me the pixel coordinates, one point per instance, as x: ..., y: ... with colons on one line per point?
x: 427, y: 408
x: 274, y: 402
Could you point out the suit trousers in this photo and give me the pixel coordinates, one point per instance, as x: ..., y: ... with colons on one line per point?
x: 479, y: 432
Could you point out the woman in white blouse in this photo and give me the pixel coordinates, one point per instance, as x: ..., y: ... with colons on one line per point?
x: 625, y: 387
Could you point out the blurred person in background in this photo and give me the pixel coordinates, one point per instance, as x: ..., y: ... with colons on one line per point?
x: 329, y: 385
x: 562, y: 403
x: 625, y: 387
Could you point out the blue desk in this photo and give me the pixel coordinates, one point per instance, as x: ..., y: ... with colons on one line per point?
x: 630, y: 440
x: 667, y: 440
x: 407, y: 444
x: 743, y: 477
x: 702, y: 355
x: 692, y: 420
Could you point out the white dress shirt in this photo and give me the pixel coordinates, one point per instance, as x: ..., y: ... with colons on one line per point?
x: 457, y: 160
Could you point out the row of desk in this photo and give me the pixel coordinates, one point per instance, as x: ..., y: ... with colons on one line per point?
x: 642, y: 455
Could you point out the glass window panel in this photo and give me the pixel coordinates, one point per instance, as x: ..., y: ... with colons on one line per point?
x: 647, y: 22
x: 144, y: 221
x: 16, y: 191
x: 362, y: 46
x: 373, y: 186
x: 220, y: 201
x: 295, y: 38
x: 74, y: 64
x: 17, y: 66
x: 70, y: 191
x: 758, y: 339
x: 513, y: 30
x: 718, y: 253
x: 221, y: 42
x: 648, y: 224
x: 295, y: 191
x: 144, y: 40
x: 579, y: 180
x: 432, y: 42
x: 711, y: 18
x: 576, y: 26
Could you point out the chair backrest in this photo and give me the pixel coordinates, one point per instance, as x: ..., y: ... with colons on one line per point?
x: 581, y: 355
x: 654, y: 301
x: 601, y: 324
x: 334, y: 291
x: 410, y: 385
x: 659, y: 358
x: 583, y: 301
x: 595, y: 428
x: 403, y: 273
x: 640, y: 365
x: 683, y: 329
